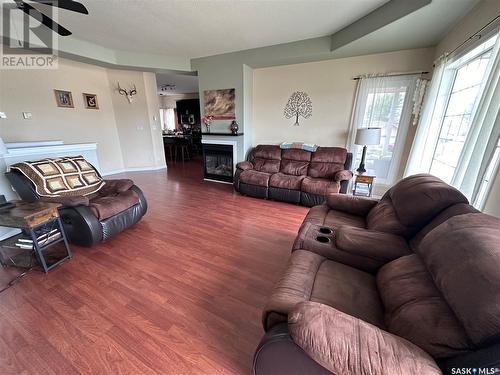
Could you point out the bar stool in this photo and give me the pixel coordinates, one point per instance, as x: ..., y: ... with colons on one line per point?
x: 169, y: 145
x: 183, y: 146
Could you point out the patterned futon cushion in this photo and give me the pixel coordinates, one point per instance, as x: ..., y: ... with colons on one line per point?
x: 61, y: 177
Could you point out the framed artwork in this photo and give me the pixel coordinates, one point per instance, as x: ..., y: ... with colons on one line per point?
x: 64, y: 99
x: 219, y: 104
x: 90, y: 101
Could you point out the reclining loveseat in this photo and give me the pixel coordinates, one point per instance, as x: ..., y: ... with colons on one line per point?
x: 405, y: 285
x: 294, y: 175
x: 92, y: 209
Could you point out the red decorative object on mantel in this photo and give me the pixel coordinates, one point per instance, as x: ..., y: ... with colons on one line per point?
x: 207, y: 121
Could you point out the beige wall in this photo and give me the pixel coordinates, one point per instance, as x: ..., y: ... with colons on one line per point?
x: 33, y: 91
x: 127, y: 135
x: 478, y: 17
x: 331, y: 88
x: 133, y: 121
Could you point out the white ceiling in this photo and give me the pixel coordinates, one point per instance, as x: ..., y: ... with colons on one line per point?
x: 184, y: 84
x: 184, y: 29
x: 197, y: 28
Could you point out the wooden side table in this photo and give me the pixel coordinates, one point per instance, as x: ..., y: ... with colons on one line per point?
x: 363, y: 185
x: 35, y: 219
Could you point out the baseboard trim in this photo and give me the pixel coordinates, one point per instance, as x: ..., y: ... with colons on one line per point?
x: 134, y: 169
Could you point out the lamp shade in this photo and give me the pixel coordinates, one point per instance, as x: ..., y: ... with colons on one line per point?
x: 3, y: 148
x: 368, y: 136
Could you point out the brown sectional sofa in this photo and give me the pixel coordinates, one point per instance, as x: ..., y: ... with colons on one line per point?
x: 294, y: 175
x: 405, y: 285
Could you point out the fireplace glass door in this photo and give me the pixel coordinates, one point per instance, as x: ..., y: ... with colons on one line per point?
x: 218, y: 162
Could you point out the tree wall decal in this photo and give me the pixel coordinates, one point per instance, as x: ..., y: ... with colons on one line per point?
x: 299, y: 104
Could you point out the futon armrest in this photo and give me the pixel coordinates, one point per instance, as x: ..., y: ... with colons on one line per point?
x: 343, y: 175
x: 68, y: 201
x: 114, y: 187
x: 244, y: 165
x: 383, y: 247
x: 344, y: 344
x: 351, y: 204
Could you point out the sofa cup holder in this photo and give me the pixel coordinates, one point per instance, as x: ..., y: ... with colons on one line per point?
x: 322, y: 239
x: 326, y: 230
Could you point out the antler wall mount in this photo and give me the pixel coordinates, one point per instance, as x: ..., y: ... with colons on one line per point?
x: 128, y: 93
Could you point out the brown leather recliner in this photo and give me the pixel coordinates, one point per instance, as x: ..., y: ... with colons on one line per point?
x: 414, y: 291
x: 88, y: 220
x: 294, y: 175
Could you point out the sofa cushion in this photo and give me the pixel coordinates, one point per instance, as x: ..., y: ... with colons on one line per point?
x: 255, y: 178
x: 296, y: 154
x: 327, y: 161
x: 323, y: 215
x: 266, y: 158
x: 112, y: 187
x: 415, y: 309
x: 296, y: 168
x: 319, y: 186
x: 105, y: 207
x: 456, y: 209
x: 383, y: 218
x: 286, y: 181
x: 270, y: 152
x: 295, y: 161
x: 311, y: 277
x: 419, y: 198
x: 349, y: 290
x: 463, y: 256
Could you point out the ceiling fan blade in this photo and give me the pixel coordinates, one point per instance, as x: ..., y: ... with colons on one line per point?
x: 42, y: 18
x: 71, y: 5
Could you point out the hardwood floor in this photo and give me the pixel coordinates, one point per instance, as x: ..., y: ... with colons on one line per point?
x: 179, y: 293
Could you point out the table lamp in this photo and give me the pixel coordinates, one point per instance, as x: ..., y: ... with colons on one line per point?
x: 365, y: 137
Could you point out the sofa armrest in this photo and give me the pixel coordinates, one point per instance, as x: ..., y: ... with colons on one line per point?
x: 244, y: 165
x: 379, y: 246
x: 344, y: 344
x: 343, y: 175
x: 68, y: 201
x: 351, y: 204
x: 114, y: 187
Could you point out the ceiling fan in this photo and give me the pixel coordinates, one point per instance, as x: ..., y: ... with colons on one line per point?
x: 70, y: 5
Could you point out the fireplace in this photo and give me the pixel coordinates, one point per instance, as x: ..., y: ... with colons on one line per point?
x: 218, y: 162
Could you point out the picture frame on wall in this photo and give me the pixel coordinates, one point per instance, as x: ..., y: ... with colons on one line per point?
x: 90, y: 101
x: 64, y: 99
x: 219, y: 104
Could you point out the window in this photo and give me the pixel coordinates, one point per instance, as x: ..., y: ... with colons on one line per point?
x: 488, y: 177
x: 386, y: 103
x: 167, y: 119
x: 470, y: 73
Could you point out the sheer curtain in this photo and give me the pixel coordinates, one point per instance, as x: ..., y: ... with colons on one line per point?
x: 384, y: 102
x: 167, y: 119
x: 421, y: 152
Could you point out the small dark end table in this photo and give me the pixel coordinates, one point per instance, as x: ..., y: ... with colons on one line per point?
x: 31, y: 217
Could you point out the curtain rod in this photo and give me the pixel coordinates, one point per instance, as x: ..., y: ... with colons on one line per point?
x: 392, y: 75
x: 476, y: 34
